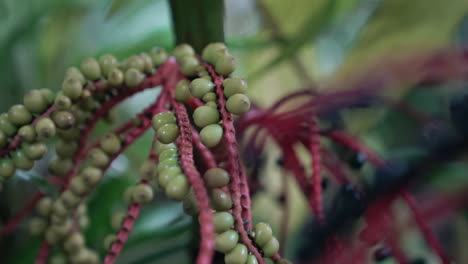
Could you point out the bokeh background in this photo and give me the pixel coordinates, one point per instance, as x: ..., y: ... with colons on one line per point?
x: 281, y: 46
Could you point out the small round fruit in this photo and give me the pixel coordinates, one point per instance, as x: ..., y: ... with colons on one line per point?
x: 64, y: 119
x: 147, y: 62
x: 72, y: 87
x: 199, y: 87
x: 212, y: 105
x: 222, y: 221
x: 110, y: 143
x: 35, y: 102
x: 127, y: 195
x: 19, y: 115
x: 91, y: 175
x: 263, y: 234
x: 98, y: 158
x: 62, y: 102
x: 226, y: 241
x: 205, y: 115
x: 142, y: 193
x: 48, y: 94
x: 69, y: 199
x: 158, y: 55
x: 190, y: 204
x: 22, y: 161
x: 251, y: 259
x: 216, y: 178
x: 58, y: 259
x: 59, y: 209
x: 108, y: 62
x: 78, y: 186
x: 220, y: 200
x: 37, y: 226
x: 165, y: 176
x: 148, y: 170
x: 237, y: 256
x: 60, y: 167
x: 182, y: 92
x: 238, y: 104
x: 234, y: 85
x: 209, y: 52
x: 117, y: 220
x: 168, y: 133
x: 135, y: 62
x: 6, y: 126
x: 35, y: 151
x: 211, y: 135
x: 177, y: 187
x: 74, y: 242
x: 45, y: 128
x: 75, y: 73
x: 91, y: 69
x: 271, y: 247
x: 167, y: 154
x: 44, y: 206
x: 52, y: 237
x: 7, y: 168
x: 209, y: 97
x: 162, y: 119
x: 65, y: 149
x: 115, y: 77
x: 225, y: 65
x: 183, y: 50
x: 27, y: 134
x: 133, y: 77
x: 188, y: 65
x: 159, y: 147
x: 168, y: 163
x: 69, y: 134
x: 109, y: 240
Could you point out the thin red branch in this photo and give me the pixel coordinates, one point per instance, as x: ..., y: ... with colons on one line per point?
x: 14, y: 221
x: 314, y: 148
x: 43, y: 255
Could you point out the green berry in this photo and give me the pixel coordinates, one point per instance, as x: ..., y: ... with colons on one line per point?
x: 158, y: 55
x: 117, y: 220
x: 58, y: 259
x: 212, y: 105
x: 3, y: 139
x: 60, y: 167
x: 183, y: 50
x: 65, y: 149
x: 78, y: 113
x: 19, y: 115
x: 27, y: 134
x: 35, y: 151
x: 48, y: 94
x: 128, y: 193
x: 63, y: 229
x: 148, y: 170
x: 62, y: 102
x: 237, y: 256
x: 167, y: 154
x: 168, y: 133
x: 35, y: 102
x: 162, y: 119
x: 72, y: 87
x: 6, y: 126
x: 165, y: 176
x: 63, y: 119
x: 44, y: 206
x: 190, y: 204
x: 211, y: 135
x: 22, y: 161
x: 133, y: 77
x: 177, y: 187
x: 52, y: 237
x: 110, y: 144
x: 147, y: 62
x: 182, y: 92
x: 57, y: 220
x: 74, y: 242
x: 188, y: 65
x: 234, y: 85
x: 216, y: 178
x: 251, y: 259
x: 45, y: 128
x: 206, y: 77
x: 69, y: 134
x: 98, y: 158
x: 225, y: 65
x: 83, y: 222
x: 91, y: 175
x: 135, y: 62
x: 226, y: 241
x: 263, y: 234
x: 75, y: 73
x: 115, y: 77
x: 223, y: 221
x: 209, y: 52
x: 142, y: 193
x: 91, y: 69
x: 238, y: 104
x: 37, y: 226
x: 59, y: 209
x: 199, y: 87
x: 271, y: 247
x: 209, y: 97
x: 69, y: 199
x: 7, y: 168
x: 168, y: 163
x: 205, y: 115
x: 159, y: 147
x: 107, y: 62
x: 109, y: 240
x: 220, y: 200
x: 78, y: 186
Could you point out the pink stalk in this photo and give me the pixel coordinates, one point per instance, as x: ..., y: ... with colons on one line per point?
x: 14, y: 221
x: 314, y: 148
x: 43, y: 255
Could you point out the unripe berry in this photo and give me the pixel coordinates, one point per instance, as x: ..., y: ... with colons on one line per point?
x: 59, y: 209
x: 190, y: 204
x: 226, y: 241
x: 225, y: 65
x: 209, y: 97
x: 44, y: 206
x: 223, y: 221
x: 148, y: 170
x: 168, y: 133
x: 251, y: 259
x: 167, y: 163
x: 199, y: 87
x: 45, y: 128
x: 98, y: 158
x: 91, y: 69
x: 238, y: 104
x: 35, y: 151
x: 188, y: 65
x: 110, y: 143
x: 74, y: 243
x: 177, y: 187
x: 72, y: 88
x: 271, y: 247
x: 69, y: 199
x: 35, y: 102
x: 234, y: 85
x: 75, y: 73
x: 165, y: 176
x: 162, y: 119
x: 6, y: 126
x: 159, y: 147
x: 216, y: 178
x: 19, y: 115
x: 78, y: 186
x: 65, y: 149
x: 209, y: 52
x: 109, y: 240
x: 52, y: 237
x: 147, y: 62
x: 27, y: 134
x: 62, y: 102
x: 117, y: 220
x: 91, y: 175
x: 158, y: 55
x: 133, y: 77
x: 183, y: 50
x: 263, y: 234
x: 21, y: 161
x: 60, y: 167
x: 212, y: 105
x: 69, y: 134
x: 182, y: 93
x: 142, y: 193
x: 58, y: 259
x: 115, y: 77
x: 211, y: 135
x: 237, y: 256
x: 168, y: 154
x: 7, y: 168
x: 63, y: 119
x: 205, y: 115
x: 128, y: 193
x: 37, y: 226
x: 220, y: 200
x: 107, y: 62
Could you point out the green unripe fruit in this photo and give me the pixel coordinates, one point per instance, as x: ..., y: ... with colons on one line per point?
x: 234, y: 85
x: 63, y: 119
x: 7, y: 168
x: 225, y: 65
x: 158, y: 55
x: 223, y: 221
x: 183, y: 50
x: 21, y: 161
x: 177, y: 187
x: 147, y: 62
x: 59, y: 209
x: 57, y: 220
x: 271, y: 247
x: 83, y: 222
x: 98, y: 158
x: 110, y: 144
x: 190, y: 204
x: 188, y: 65
x: 117, y: 220
x: 3, y: 139
x: 209, y: 97
x: 52, y: 237
x: 62, y: 102
x: 72, y: 87
x: 165, y: 176
x: 162, y: 119
x: 211, y: 135
x: 167, y: 154
x: 206, y: 77
x: 35, y: 151
x: 19, y: 115
x: 78, y: 186
x: 75, y: 73
x: 27, y: 134
x: 142, y: 193
x: 225, y: 242
x: 205, y: 115
x: 69, y: 199
x: 58, y: 259
x: 60, y: 167
x: 135, y: 62
x: 35, y: 102
x: 263, y: 234
x: 65, y: 149
x: 182, y: 92
x: 107, y: 62
x: 82, y: 210
x: 79, y: 114
x: 251, y: 259
x: 74, y: 243
x: 133, y: 77
x: 45, y: 128
x: 238, y: 104
x: 209, y: 52
x: 91, y: 69
x: 84, y: 256
x: 168, y: 163
x: 91, y: 175
x: 6, y: 126
x: 159, y: 147
x: 212, y: 105
x: 199, y: 87
x: 48, y: 94
x: 69, y: 134
x: 63, y: 229
x: 220, y: 200
x: 168, y: 133
x: 44, y: 206
x: 37, y: 226
x: 115, y: 77
x: 237, y: 256
x: 148, y: 170
x: 216, y: 178
x: 109, y: 240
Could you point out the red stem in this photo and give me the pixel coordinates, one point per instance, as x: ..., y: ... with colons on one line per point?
x: 314, y: 148
x: 14, y: 221
x: 43, y: 255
